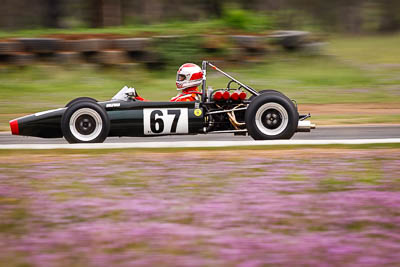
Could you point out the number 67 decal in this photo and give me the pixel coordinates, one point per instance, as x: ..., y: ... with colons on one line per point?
x: 165, y: 121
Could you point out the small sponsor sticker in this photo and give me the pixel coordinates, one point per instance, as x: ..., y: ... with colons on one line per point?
x: 198, y: 112
x: 113, y: 105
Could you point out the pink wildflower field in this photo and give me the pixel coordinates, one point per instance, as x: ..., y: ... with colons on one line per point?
x: 304, y: 207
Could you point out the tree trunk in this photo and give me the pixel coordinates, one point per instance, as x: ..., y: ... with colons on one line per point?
x: 390, y: 20
x: 95, y: 13
x: 52, y: 13
x: 111, y: 13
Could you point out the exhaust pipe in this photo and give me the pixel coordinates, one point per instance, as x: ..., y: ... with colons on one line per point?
x: 305, y: 126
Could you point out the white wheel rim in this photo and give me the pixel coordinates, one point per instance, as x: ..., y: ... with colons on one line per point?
x: 76, y: 118
x: 274, y: 108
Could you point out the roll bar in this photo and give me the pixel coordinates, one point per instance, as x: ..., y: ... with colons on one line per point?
x: 203, y: 87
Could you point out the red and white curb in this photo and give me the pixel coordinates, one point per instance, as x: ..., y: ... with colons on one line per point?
x: 197, y: 144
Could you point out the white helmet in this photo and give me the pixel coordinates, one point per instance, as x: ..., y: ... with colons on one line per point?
x: 188, y: 75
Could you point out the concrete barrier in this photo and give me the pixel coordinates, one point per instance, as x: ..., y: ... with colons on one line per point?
x: 9, y: 47
x: 22, y: 59
x: 150, y: 51
x: 39, y: 45
x: 112, y: 57
x: 132, y: 44
x: 68, y: 57
x: 290, y: 40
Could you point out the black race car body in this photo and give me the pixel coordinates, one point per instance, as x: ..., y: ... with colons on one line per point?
x: 265, y: 115
x: 127, y: 118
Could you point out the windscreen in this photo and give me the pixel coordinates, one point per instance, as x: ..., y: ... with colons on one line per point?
x: 121, y: 94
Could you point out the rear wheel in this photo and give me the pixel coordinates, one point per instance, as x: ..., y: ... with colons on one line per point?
x: 85, y: 122
x: 269, y: 91
x: 271, y: 116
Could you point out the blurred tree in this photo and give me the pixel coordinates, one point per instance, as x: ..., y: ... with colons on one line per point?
x: 15, y: 14
x: 53, y: 12
x: 95, y: 13
x: 105, y: 13
x: 336, y: 15
x: 390, y: 20
x: 214, y: 7
x: 5, y: 18
x: 349, y: 16
x: 353, y: 16
x: 111, y: 12
x: 153, y: 10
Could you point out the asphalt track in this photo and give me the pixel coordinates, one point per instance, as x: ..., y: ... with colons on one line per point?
x: 321, y: 133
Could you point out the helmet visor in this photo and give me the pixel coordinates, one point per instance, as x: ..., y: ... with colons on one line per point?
x: 180, y: 77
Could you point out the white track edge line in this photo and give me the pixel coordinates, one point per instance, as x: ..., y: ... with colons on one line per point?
x: 195, y: 144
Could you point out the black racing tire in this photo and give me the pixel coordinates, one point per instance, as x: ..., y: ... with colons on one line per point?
x: 264, y: 92
x: 271, y: 116
x: 80, y: 99
x: 85, y: 122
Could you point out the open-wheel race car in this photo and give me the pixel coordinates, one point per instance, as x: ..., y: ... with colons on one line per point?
x: 264, y: 115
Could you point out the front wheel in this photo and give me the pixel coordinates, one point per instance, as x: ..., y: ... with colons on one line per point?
x: 271, y: 116
x: 85, y: 122
x: 80, y: 99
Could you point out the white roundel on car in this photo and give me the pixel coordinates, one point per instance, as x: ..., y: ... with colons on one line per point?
x: 165, y: 121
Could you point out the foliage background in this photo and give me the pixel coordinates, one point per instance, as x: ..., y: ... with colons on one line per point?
x: 352, y: 16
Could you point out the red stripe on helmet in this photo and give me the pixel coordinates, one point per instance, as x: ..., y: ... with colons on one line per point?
x: 14, y: 127
x: 188, y: 65
x: 196, y: 76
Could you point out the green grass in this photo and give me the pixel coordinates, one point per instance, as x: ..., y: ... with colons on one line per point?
x: 353, y: 72
x: 175, y: 27
x: 308, y: 80
x: 233, y: 20
x: 376, y: 49
x: 349, y: 119
x: 132, y: 30
x: 322, y: 80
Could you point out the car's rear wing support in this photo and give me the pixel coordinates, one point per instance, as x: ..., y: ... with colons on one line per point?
x: 203, y: 85
x: 204, y: 89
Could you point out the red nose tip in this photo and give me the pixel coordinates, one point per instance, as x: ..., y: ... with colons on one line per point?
x: 14, y: 127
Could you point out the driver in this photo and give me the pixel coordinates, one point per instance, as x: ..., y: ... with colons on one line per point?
x: 188, y: 78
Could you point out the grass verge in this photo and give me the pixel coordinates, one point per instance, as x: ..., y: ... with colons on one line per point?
x: 203, y: 149
x: 342, y: 77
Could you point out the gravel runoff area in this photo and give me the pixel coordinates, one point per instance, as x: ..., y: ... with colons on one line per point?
x: 304, y: 207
